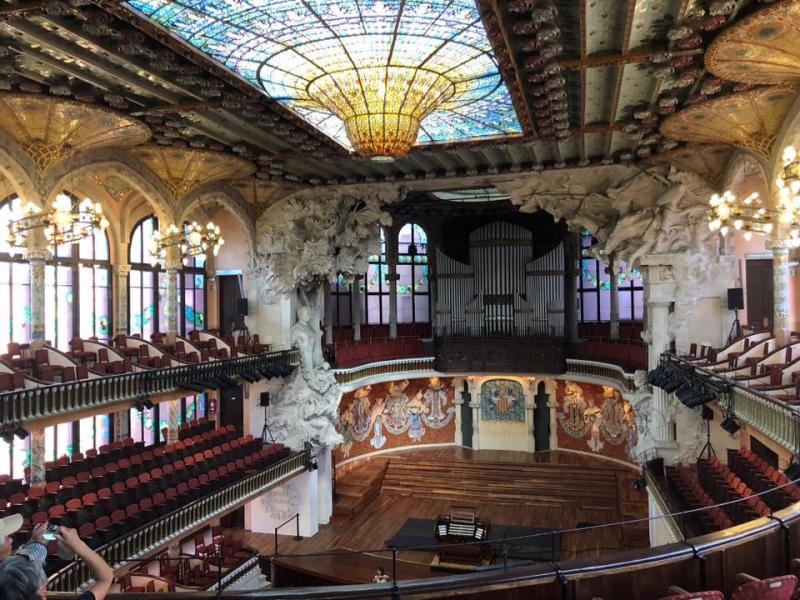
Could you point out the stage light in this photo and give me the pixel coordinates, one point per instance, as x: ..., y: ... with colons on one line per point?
x: 730, y: 425
x: 673, y: 384
x: 21, y: 432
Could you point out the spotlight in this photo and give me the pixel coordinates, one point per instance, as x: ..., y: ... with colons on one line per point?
x: 7, y: 436
x: 673, y: 384
x: 21, y: 432
x: 148, y: 404
x: 730, y: 425
x: 640, y: 483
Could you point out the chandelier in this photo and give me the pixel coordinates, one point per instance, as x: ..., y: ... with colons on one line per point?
x: 67, y: 222
x: 192, y: 240
x: 751, y: 216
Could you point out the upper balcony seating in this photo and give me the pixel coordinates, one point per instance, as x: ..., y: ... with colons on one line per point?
x: 43, y: 369
x: 160, y: 341
x: 782, y: 587
x: 79, y: 353
x: 15, y: 359
x: 12, y: 381
x: 692, y: 496
x: 121, y: 343
x: 712, y: 356
x: 372, y: 350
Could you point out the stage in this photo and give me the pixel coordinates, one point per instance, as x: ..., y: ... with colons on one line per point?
x: 405, y: 513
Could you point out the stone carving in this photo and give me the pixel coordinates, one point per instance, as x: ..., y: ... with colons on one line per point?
x: 313, y: 239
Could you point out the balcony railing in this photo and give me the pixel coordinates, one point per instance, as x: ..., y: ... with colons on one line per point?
x: 590, y: 368
x: 776, y: 419
x: 60, y: 398
x: 383, y: 367
x: 181, y: 522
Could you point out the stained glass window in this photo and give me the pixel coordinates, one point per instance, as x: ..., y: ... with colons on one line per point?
x: 78, y: 296
x: 374, y: 289
x: 94, y: 432
x: 14, y: 457
x: 289, y: 48
x: 15, y: 291
x: 147, y: 287
x: 413, y: 294
x: 594, y: 290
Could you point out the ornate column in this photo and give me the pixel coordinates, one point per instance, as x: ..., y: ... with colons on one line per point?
x: 173, y: 420
x: 530, y: 407
x: 613, y: 271
x: 475, y: 405
x: 552, y: 404
x: 122, y: 424
x: 173, y: 264
x: 37, y: 257
x: 328, y: 303
x: 392, y: 279
x: 571, y: 258
x: 120, y: 292
x: 212, y: 297
x: 780, y: 283
x: 355, y: 304
x: 458, y: 402
x: 37, y: 456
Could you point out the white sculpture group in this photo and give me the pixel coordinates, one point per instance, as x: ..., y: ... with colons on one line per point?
x: 314, y: 239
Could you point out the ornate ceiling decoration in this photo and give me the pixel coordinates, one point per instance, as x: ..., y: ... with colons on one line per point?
x: 763, y: 48
x: 50, y: 129
x: 750, y: 120
x: 358, y: 71
x: 260, y: 194
x: 707, y: 161
x: 184, y: 169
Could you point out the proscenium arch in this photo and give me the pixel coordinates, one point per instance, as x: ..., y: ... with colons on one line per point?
x: 230, y: 199
x: 116, y: 162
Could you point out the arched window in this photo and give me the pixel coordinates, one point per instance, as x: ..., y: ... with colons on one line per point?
x: 147, y: 294
x: 15, y: 287
x: 413, y: 291
x: 594, y: 290
x: 374, y: 288
x: 77, y: 291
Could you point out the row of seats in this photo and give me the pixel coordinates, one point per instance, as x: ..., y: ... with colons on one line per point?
x: 626, y: 353
x: 148, y: 499
x: 370, y: 351
x: 692, y: 496
x: 345, y: 333
x: 725, y: 486
x: 627, y: 331
x: 762, y: 476
x: 783, y: 587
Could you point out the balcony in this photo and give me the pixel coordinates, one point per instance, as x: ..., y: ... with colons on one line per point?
x: 500, y: 354
x: 181, y: 522
x: 25, y: 405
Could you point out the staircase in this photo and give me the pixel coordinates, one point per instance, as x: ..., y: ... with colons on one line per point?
x: 357, y: 488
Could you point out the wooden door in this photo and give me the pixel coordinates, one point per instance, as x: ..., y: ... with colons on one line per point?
x: 759, y: 301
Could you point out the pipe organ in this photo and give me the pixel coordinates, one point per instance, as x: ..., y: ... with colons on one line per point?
x: 504, y: 291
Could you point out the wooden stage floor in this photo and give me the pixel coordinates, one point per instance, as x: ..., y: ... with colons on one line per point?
x: 371, y: 528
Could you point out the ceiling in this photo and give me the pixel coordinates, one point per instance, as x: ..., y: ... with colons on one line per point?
x: 590, y: 82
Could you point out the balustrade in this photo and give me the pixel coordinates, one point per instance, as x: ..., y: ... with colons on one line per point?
x: 61, y: 398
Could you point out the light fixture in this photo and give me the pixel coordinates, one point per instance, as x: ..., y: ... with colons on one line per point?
x: 748, y: 215
x: 67, y: 222
x: 193, y: 240
x: 730, y: 424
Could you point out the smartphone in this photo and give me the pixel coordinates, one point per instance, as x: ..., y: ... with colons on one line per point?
x: 50, y: 534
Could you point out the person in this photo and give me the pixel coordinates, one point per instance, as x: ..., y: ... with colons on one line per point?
x: 22, y: 578
x: 35, y: 548
x: 380, y: 576
x: 8, y: 526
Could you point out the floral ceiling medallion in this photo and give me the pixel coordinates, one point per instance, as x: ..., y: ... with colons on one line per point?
x: 183, y: 170
x: 50, y: 129
x: 763, y: 48
x: 750, y: 120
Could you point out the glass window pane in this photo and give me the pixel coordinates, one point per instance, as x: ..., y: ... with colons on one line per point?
x: 21, y: 457
x: 86, y: 434
x: 136, y: 425
x: 421, y: 309
x: 150, y: 427
x: 638, y: 305
x: 605, y: 305
x: 589, y: 306
x: 102, y: 430
x: 50, y: 443
x: 5, y: 458
x: 64, y: 440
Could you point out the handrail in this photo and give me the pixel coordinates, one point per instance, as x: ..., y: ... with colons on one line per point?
x: 25, y: 405
x: 772, y: 417
x: 179, y: 522
x: 599, y: 369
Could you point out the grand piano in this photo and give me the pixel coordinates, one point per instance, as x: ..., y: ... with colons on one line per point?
x: 453, y: 532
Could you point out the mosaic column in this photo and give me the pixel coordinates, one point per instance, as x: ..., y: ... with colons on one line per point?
x: 780, y: 284
x: 458, y: 402
x: 37, y: 257
x: 173, y: 265
x: 37, y: 456
x: 613, y: 271
x: 355, y: 303
x: 530, y: 407
x: 328, y: 300
x: 475, y: 405
x: 212, y: 297
x: 122, y: 424
x: 121, y: 318
x: 552, y: 404
x: 391, y: 279
x: 173, y: 420
x: 658, y: 327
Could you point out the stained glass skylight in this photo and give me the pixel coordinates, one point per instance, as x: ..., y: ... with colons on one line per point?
x: 304, y: 53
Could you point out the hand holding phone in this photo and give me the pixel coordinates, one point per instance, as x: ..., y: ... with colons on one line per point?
x: 50, y: 534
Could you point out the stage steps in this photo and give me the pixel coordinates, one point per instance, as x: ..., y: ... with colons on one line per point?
x: 539, y: 484
x: 357, y: 488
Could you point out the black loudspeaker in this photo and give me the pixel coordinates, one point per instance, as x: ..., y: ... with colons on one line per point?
x: 708, y: 414
x: 242, y: 307
x: 264, y: 399
x: 735, y: 298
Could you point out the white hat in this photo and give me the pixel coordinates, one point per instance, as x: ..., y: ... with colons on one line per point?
x: 9, y: 525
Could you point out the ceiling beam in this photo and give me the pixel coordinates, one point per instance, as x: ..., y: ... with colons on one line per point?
x: 621, y: 71
x: 625, y: 58
x: 582, y: 108
x: 19, y: 9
